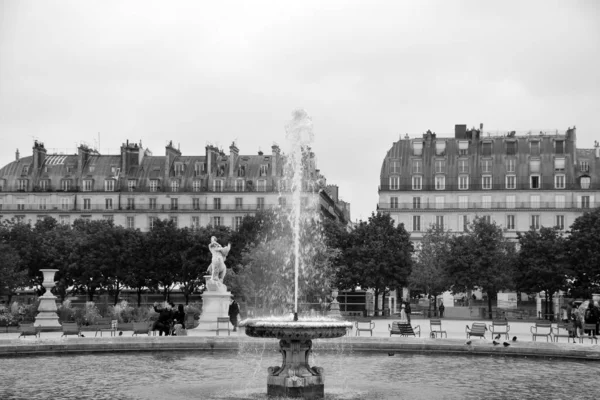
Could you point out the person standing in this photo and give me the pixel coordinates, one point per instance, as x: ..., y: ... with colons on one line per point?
x: 403, y: 313
x: 179, y: 321
x: 234, y: 311
x: 442, y: 308
x: 407, y: 309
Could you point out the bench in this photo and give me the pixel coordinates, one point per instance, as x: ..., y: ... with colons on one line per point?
x: 363, y: 324
x: 499, y: 328
x: 70, y: 328
x: 404, y: 329
x: 477, y: 329
x: 435, y: 326
x: 106, y: 325
x: 28, y: 329
x: 220, y: 322
x: 543, y: 329
x: 142, y: 328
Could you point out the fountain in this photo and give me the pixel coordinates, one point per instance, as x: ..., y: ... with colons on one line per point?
x: 295, y: 377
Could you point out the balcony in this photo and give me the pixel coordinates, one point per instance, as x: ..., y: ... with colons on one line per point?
x: 494, y: 205
x: 480, y: 187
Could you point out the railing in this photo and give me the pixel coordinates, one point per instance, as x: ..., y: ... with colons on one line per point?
x: 144, y: 207
x: 479, y: 186
x: 494, y: 205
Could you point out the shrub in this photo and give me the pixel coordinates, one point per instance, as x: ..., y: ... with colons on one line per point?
x: 65, y: 311
x: 194, y: 309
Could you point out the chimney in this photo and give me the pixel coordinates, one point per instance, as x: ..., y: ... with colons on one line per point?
x: 17, y: 155
x: 233, y: 157
x: 460, y: 131
x: 170, y: 153
x: 211, y: 159
x: 274, y: 159
x: 130, y: 156
x: 39, y: 156
x: 83, y: 155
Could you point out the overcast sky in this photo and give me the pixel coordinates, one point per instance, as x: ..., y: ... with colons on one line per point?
x: 198, y: 72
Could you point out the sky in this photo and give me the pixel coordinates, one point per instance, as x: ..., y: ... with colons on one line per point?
x: 367, y: 72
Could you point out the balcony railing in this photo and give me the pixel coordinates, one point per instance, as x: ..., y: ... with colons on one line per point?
x: 494, y: 205
x: 59, y: 208
x: 479, y: 186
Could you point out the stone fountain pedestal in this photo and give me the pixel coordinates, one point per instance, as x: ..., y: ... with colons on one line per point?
x: 215, y: 304
x: 47, y: 316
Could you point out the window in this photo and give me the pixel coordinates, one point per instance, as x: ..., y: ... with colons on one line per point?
x: 153, y: 185
x: 216, y: 221
x: 64, y: 219
x: 195, y: 203
x: 511, y: 165
x: 239, y: 185
x: 108, y: 204
x: 197, y: 169
x: 511, y: 182
x: 221, y: 170
x: 417, y: 166
x: 585, y: 182
x: 174, y: 186
x: 440, y: 166
x: 463, y: 147
x: 241, y: 171
x: 416, y: 203
x: 510, y: 222
x: 282, y: 201
x: 416, y: 223
x: 87, y: 204
x: 151, y: 222
x: 109, y: 185
x: 115, y: 171
x: 440, y: 148
x: 394, y: 182
x: 65, y: 185
x: 131, y: 222
x: 261, y: 185
x: 463, y: 166
x: 486, y: 165
x: 439, y: 222
x: 43, y: 202
x: 175, y: 221
x: 439, y: 202
x: 417, y: 148
x: 486, y: 149
x: 559, y: 201
x: 534, y: 148
x: 417, y: 182
x: 486, y: 182
x: 560, y: 222
x: 440, y: 182
x: 260, y: 203
x: 65, y: 203
x: 511, y: 148
x: 487, y: 218
x: 559, y: 181
x: 394, y: 202
x: 22, y: 184
x: 394, y: 166
x: 196, y: 186
x: 179, y: 169
x: 463, y: 201
x: 534, y: 181
x: 263, y: 170
x: 152, y: 203
x: 131, y: 203
x: 585, y: 202
x: 131, y: 185
x: 174, y: 204
x: 511, y: 201
x: 559, y: 164
x: 239, y: 203
x: 486, y: 201
x: 237, y: 222
x: 463, y: 182
x: 535, y: 221
x: 216, y: 203
x: 44, y: 184
x: 534, y: 201
x: 559, y: 146
x: 465, y: 222
x: 108, y: 218
x: 218, y: 185
x: 195, y: 222
x: 584, y: 166
x: 87, y: 185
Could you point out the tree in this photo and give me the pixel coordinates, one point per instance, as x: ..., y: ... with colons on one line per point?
x: 542, y: 262
x: 481, y: 258
x: 583, y: 248
x: 379, y: 257
x: 12, y: 274
x: 137, y: 275
x: 429, y: 272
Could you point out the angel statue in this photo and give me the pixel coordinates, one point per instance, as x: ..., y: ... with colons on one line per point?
x: 217, y: 267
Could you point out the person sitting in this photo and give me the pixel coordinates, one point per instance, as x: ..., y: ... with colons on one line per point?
x: 164, y: 321
x: 179, y: 321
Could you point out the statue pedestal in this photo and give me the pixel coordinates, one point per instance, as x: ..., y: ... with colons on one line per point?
x: 47, y: 316
x: 215, y: 304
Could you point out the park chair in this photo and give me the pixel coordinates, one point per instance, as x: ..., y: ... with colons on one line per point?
x: 564, y: 330
x: 70, y: 328
x: 499, y: 328
x: 142, y: 328
x: 220, y: 322
x: 435, y: 326
x: 543, y: 329
x: 476, y: 329
x: 584, y: 335
x: 403, y: 328
x: 28, y: 329
x: 106, y: 325
x: 364, y: 324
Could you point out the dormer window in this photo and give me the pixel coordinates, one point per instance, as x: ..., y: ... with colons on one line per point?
x: 198, y: 169
x: 559, y: 147
x: 463, y: 147
x: 263, y: 170
x: 221, y: 170
x: 179, y: 168
x: 394, y: 166
x: 87, y: 185
x: 440, y: 148
x: 486, y: 149
x: 534, y: 148
x: 241, y: 171
x: 25, y: 170
x: 109, y: 185
x: 65, y: 185
x: 131, y: 185
x: 417, y: 148
x: 175, y: 186
x: 585, y: 182
x: 22, y: 185
x: 584, y: 166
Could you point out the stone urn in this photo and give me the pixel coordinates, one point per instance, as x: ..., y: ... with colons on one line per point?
x: 295, y: 377
x: 47, y: 316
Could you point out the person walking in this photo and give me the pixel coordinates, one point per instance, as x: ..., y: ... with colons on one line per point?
x: 234, y: 311
x: 442, y: 308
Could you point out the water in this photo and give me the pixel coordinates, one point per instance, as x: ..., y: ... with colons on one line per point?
x: 242, y: 375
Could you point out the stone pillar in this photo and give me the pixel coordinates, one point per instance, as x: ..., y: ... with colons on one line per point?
x: 334, y: 307
x: 47, y: 316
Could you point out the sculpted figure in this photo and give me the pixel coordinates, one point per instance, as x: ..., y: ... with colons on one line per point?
x: 217, y: 267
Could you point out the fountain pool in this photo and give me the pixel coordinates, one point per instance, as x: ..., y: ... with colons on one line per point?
x: 241, y: 375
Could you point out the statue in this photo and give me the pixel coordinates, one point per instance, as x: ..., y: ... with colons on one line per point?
x: 217, y: 267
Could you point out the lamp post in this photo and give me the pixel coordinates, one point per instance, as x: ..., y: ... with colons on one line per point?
x: 47, y: 316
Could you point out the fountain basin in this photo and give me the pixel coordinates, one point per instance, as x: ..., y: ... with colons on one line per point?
x: 303, y: 329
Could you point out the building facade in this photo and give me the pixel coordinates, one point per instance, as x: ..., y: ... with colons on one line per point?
x: 518, y: 181
x: 135, y: 188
